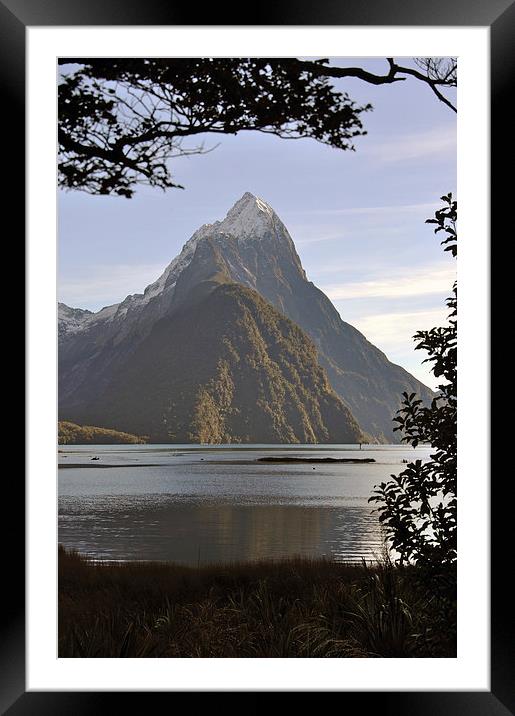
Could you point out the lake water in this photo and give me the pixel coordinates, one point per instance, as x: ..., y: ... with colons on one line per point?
x: 201, y: 504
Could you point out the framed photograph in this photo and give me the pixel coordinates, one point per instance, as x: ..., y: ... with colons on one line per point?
x: 242, y: 476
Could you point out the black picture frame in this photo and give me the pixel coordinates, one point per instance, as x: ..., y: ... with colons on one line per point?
x: 499, y: 16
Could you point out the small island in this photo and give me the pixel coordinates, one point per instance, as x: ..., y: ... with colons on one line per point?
x: 279, y: 459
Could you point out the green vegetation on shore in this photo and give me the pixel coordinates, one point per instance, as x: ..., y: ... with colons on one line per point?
x: 289, y: 608
x: 72, y: 434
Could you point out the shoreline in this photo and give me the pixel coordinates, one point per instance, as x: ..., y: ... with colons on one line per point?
x: 257, y: 461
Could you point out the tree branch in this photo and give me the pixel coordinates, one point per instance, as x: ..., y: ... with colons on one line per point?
x: 392, y: 76
x: 428, y: 80
x: 359, y: 73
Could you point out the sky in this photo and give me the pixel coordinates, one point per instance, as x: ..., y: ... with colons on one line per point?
x: 357, y: 218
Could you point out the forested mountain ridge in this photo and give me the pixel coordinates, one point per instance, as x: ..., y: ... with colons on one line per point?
x: 243, y: 373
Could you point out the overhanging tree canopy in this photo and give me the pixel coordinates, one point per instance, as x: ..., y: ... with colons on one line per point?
x: 121, y: 120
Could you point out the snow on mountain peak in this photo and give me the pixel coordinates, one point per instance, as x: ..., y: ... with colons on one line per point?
x: 249, y: 216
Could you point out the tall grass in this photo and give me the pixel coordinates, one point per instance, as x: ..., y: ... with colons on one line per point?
x: 292, y: 608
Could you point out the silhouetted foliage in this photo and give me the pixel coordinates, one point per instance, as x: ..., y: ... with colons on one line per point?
x: 418, y: 506
x: 297, y: 608
x: 121, y: 120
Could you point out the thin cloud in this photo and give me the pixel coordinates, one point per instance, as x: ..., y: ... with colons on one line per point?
x: 422, y: 282
x: 393, y: 333
x: 387, y: 330
x: 390, y: 209
x: 105, y: 285
x: 431, y: 144
x: 317, y: 239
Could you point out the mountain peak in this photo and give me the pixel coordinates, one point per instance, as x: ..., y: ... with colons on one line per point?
x: 249, y: 215
x: 250, y: 202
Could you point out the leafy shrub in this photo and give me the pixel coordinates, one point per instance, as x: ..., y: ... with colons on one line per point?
x: 418, y: 506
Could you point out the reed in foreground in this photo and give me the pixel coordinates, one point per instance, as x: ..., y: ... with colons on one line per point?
x: 291, y: 608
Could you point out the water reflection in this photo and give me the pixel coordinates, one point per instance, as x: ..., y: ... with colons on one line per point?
x: 191, y: 533
x: 193, y: 503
